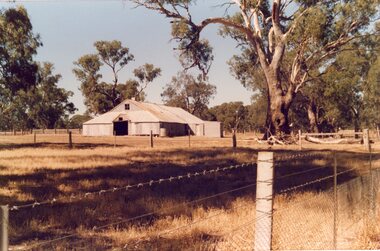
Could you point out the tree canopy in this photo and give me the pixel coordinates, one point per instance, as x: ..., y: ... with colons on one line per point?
x: 288, y: 44
x: 101, y: 96
x: 29, y: 96
x: 190, y: 93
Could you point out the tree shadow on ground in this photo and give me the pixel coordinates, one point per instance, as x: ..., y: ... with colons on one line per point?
x: 72, y: 212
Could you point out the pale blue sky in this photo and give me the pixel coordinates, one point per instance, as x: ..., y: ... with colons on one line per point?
x: 68, y: 29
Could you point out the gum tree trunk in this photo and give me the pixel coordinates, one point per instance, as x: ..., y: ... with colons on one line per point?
x: 313, y: 118
x: 277, y: 122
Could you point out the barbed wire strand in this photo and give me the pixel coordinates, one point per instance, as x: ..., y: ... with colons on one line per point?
x: 150, y: 183
x: 300, y: 172
x: 85, y: 195
x: 296, y: 156
x: 314, y: 181
x: 165, y: 232
x: 144, y: 215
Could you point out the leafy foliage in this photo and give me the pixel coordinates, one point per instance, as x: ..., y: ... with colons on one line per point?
x: 189, y: 93
x: 286, y: 46
x: 232, y: 115
x: 100, y: 96
x: 29, y: 96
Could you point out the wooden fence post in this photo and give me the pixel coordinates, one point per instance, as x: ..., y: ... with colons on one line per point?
x: 34, y: 138
x: 151, y: 138
x: 264, y: 202
x: 70, y: 140
x: 234, y: 143
x: 4, y: 220
x: 114, y: 139
x: 366, y: 140
x: 335, y: 234
x: 300, y: 139
x: 189, y: 133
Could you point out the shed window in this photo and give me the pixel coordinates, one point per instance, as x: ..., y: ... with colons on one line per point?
x: 120, y: 119
x: 127, y: 107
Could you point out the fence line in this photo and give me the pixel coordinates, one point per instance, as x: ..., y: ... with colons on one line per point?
x: 40, y: 131
x: 147, y: 214
x: 260, y: 235
x: 130, y: 187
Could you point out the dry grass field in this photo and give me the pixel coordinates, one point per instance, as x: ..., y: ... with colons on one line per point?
x: 49, y: 170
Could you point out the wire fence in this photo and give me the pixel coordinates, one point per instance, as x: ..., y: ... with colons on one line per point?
x: 324, y: 206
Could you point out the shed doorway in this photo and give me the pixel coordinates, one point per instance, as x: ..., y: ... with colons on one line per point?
x: 120, y: 128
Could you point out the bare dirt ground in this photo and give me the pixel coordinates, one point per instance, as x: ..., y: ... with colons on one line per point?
x: 49, y: 171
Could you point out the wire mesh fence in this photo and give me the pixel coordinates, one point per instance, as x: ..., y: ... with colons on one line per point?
x: 310, y: 211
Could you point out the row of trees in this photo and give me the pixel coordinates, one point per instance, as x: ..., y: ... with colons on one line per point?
x: 29, y: 96
x: 314, y: 67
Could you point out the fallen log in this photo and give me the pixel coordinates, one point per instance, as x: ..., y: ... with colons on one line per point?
x: 332, y: 140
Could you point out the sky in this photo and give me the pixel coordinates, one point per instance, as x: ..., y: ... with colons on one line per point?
x: 69, y: 28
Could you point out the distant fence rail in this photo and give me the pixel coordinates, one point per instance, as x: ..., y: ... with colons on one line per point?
x: 322, y: 221
x: 41, y: 131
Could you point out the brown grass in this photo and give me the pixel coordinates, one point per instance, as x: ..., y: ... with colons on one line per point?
x: 49, y: 170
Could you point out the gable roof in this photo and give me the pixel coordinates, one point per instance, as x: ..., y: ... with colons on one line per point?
x: 105, y: 118
x: 149, y: 112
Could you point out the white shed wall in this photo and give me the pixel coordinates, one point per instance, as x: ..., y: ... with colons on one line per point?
x: 97, y: 130
x: 200, y: 130
x: 213, y: 129
x: 144, y: 128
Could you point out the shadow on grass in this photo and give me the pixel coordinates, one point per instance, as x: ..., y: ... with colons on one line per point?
x: 157, y: 201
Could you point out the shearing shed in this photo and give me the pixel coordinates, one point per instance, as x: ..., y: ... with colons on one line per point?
x: 140, y: 118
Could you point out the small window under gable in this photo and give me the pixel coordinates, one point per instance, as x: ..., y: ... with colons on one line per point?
x: 120, y: 118
x: 127, y: 107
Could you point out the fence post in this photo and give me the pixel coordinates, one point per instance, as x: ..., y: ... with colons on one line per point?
x: 34, y: 138
x: 234, y: 143
x: 4, y: 219
x: 372, y: 195
x: 366, y: 141
x: 114, y: 139
x: 335, y: 202
x: 300, y: 139
x: 189, y: 133
x: 151, y: 138
x: 264, y: 202
x: 70, y: 140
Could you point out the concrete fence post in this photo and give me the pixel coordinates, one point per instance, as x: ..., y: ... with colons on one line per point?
x: 264, y: 202
x: 70, y: 140
x: 4, y: 220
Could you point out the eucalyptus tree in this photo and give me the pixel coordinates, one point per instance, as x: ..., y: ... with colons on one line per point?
x: 101, y: 96
x: 145, y: 75
x: 287, y: 42
x: 18, y: 70
x: 48, y: 104
x: 232, y: 115
x: 190, y: 93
